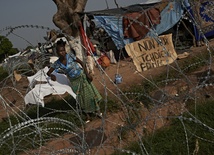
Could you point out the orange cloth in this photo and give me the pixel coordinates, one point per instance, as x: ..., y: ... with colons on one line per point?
x: 104, y: 61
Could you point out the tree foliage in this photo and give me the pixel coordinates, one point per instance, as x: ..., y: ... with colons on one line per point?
x: 6, y: 48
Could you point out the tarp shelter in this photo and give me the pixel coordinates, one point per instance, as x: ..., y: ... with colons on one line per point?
x: 149, y: 19
x: 151, y: 23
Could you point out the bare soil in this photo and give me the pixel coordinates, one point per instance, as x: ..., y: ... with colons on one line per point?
x: 107, y: 129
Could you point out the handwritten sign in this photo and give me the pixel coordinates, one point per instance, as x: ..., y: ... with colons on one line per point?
x: 149, y: 53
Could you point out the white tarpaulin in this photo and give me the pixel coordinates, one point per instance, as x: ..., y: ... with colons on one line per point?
x: 39, y: 91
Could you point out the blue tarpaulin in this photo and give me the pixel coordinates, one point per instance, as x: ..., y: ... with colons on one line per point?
x: 113, y: 26
x: 170, y: 15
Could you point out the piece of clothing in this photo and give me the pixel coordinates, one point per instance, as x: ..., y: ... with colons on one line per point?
x: 86, y: 42
x: 136, y: 25
x: 90, y: 63
x: 111, y: 56
x: 39, y: 91
x: 72, y: 69
x: 87, y: 95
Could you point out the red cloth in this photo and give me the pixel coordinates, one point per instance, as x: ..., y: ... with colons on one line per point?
x: 132, y: 27
x: 86, y: 41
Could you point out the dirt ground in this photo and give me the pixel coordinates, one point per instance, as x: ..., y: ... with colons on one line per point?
x: 107, y: 129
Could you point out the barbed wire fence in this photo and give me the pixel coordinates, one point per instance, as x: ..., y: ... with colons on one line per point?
x: 139, y: 112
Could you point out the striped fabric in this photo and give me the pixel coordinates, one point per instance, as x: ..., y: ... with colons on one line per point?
x: 87, y: 95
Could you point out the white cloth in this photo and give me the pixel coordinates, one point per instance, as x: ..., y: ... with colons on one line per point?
x: 39, y: 76
x: 111, y: 56
x: 37, y: 94
x: 53, y: 59
x: 90, y: 64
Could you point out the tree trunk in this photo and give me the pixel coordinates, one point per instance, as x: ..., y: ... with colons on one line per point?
x: 67, y: 18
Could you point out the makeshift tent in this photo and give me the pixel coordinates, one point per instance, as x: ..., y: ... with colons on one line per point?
x: 144, y: 19
x: 153, y: 18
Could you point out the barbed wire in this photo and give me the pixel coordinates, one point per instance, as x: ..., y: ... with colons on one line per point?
x: 132, y: 114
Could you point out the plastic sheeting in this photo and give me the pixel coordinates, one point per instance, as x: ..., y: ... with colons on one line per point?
x: 39, y: 91
x: 170, y: 15
x: 113, y: 26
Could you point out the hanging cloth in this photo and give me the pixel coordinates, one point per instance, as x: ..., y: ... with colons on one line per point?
x: 89, y: 47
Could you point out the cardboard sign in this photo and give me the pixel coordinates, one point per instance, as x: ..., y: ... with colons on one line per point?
x: 149, y: 53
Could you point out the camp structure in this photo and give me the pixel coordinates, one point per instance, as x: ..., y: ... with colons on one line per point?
x: 125, y: 25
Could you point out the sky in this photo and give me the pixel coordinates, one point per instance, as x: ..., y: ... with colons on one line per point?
x: 39, y: 12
